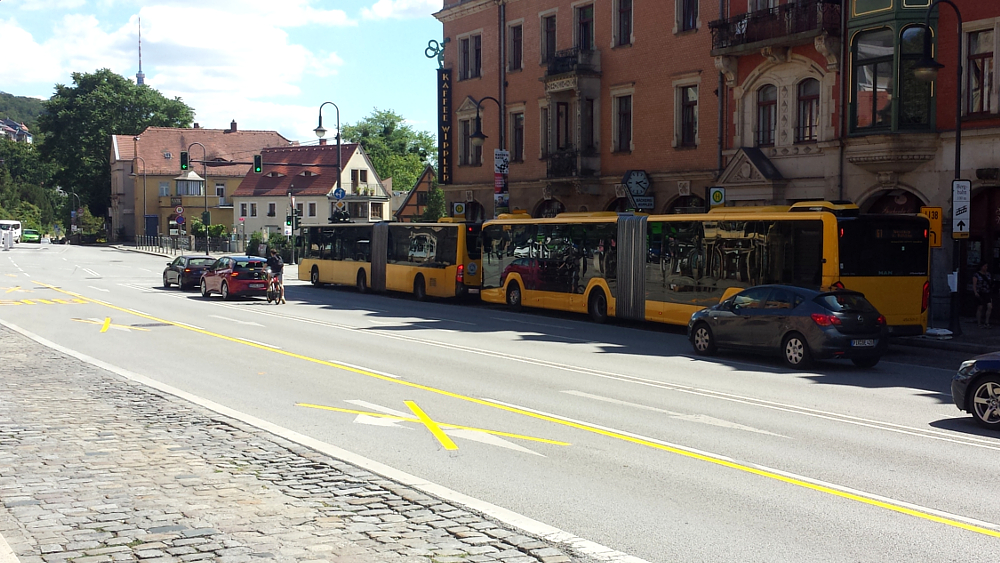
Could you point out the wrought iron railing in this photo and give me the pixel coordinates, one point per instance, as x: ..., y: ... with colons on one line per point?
x: 770, y: 26
x: 562, y: 163
x: 571, y: 60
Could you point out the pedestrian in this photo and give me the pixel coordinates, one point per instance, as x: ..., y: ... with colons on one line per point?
x: 277, y: 265
x: 982, y: 287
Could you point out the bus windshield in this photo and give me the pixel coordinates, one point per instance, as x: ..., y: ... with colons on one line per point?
x: 883, y: 246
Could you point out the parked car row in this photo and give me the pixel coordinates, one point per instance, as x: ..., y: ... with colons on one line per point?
x: 229, y: 276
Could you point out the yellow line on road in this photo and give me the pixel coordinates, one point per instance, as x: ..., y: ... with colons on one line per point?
x: 13, y: 289
x: 579, y: 426
x: 432, y: 426
x: 46, y: 301
x: 4, y: 302
x: 441, y: 424
x: 112, y: 325
x: 27, y: 302
x: 107, y: 323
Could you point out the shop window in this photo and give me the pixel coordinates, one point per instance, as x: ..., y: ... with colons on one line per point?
x: 806, y: 125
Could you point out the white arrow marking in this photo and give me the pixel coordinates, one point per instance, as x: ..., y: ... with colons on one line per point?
x: 236, y: 321
x: 699, y: 418
x: 485, y: 438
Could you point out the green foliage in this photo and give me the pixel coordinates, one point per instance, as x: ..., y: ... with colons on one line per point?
x: 397, y: 150
x: 436, y: 207
x: 256, y: 238
x: 21, y: 109
x: 218, y: 230
x: 197, y: 229
x: 79, y: 120
x: 90, y: 225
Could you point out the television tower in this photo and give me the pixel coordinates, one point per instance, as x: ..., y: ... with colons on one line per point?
x: 140, y: 78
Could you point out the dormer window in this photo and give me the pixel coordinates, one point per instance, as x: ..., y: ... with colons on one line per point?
x: 308, y: 173
x: 273, y: 174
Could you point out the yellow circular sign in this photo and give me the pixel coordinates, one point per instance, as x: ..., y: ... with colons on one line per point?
x: 717, y: 196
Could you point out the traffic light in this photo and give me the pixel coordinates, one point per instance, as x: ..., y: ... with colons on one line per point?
x: 206, y: 218
x: 257, y: 164
x: 184, y: 160
x: 288, y: 220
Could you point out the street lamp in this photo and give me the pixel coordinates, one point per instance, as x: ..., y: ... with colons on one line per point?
x: 133, y: 175
x: 204, y: 171
x: 321, y: 132
x: 927, y: 70
x: 478, y: 138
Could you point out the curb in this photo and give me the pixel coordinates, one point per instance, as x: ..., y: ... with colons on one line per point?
x: 922, y: 342
x: 131, y: 249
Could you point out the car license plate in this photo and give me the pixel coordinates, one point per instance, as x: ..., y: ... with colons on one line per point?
x: 863, y: 343
x: 261, y: 286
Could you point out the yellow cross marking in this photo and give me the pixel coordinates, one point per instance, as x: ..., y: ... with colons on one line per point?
x: 46, y: 301
x: 13, y: 289
x: 110, y: 324
x: 27, y: 302
x: 441, y: 424
x: 432, y: 426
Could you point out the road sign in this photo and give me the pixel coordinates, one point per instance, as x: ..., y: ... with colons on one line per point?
x: 179, y: 220
x: 643, y: 202
x: 933, y: 215
x: 288, y: 230
x: 340, y: 206
x: 961, y: 201
x: 339, y: 193
x: 717, y: 196
x: 179, y: 210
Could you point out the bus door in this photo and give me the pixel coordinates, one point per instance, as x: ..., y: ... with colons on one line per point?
x: 379, y: 248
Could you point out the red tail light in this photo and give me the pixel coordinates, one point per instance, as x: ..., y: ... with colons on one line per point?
x: 925, y: 233
x: 187, y: 270
x: 925, y: 299
x: 460, y: 274
x: 838, y: 284
x: 841, y: 232
x: 880, y: 320
x: 825, y: 320
x: 234, y: 274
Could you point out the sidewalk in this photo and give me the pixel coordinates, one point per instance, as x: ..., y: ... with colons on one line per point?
x: 97, y: 468
x: 973, y: 341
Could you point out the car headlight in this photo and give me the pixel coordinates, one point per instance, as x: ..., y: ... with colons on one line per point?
x: 968, y: 367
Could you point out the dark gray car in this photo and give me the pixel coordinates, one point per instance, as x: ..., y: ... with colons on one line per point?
x: 976, y: 389
x: 799, y: 324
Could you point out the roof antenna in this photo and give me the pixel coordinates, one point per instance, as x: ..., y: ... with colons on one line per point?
x: 140, y: 78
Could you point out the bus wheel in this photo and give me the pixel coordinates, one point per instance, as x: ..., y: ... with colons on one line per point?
x: 597, y: 306
x: 362, y: 282
x: 514, y: 296
x: 795, y: 351
x: 419, y: 289
x: 314, y: 277
x: 703, y: 340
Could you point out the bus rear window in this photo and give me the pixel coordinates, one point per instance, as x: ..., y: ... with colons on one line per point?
x: 883, y: 246
x: 472, y: 241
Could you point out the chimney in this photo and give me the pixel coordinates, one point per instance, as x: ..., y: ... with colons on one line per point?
x: 322, y: 142
x: 232, y: 127
x: 196, y: 126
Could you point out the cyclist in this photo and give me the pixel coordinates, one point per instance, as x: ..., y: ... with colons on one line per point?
x: 276, y: 265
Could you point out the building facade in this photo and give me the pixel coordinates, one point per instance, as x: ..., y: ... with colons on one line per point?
x: 304, y: 178
x: 148, y: 187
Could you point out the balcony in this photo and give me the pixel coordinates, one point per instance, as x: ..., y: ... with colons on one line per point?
x: 787, y: 25
x: 575, y: 61
x: 571, y: 164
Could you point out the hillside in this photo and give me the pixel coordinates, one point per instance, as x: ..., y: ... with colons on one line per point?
x: 21, y: 109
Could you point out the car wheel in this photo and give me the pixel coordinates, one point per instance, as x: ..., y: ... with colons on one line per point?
x: 597, y: 306
x: 514, y: 296
x: 362, y: 282
x: 314, y: 277
x: 419, y: 288
x: 703, y: 340
x: 166, y: 282
x: 985, y: 402
x: 225, y: 291
x: 867, y: 362
x: 204, y: 289
x: 795, y: 351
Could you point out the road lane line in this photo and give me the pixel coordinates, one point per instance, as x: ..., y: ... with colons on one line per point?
x: 99, y: 289
x: 251, y: 323
x: 902, y: 507
x: 509, y: 517
x: 446, y: 442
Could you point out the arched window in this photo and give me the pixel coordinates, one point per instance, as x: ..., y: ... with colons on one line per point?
x: 914, y: 94
x: 767, y: 104
x: 873, y: 53
x: 549, y: 208
x: 807, y: 122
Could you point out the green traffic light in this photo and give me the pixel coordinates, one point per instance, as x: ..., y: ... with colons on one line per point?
x: 184, y: 160
x: 257, y: 164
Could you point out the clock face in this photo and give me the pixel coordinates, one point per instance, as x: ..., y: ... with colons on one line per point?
x: 637, y: 182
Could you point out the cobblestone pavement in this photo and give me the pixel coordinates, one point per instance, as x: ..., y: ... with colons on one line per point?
x: 95, y: 468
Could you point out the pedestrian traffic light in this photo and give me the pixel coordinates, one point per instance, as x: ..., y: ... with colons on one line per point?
x: 257, y: 164
x: 184, y: 160
x: 288, y: 220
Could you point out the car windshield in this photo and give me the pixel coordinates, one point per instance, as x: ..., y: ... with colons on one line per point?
x: 248, y: 265
x: 840, y: 302
x: 201, y: 261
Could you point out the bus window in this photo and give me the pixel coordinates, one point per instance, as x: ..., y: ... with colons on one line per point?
x: 882, y: 247
x: 472, y: 243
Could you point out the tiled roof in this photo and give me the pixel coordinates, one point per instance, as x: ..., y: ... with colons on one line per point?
x: 155, y: 143
x: 318, y: 181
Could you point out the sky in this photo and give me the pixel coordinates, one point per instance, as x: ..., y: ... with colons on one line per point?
x: 268, y: 64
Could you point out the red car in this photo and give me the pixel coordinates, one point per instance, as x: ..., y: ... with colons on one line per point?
x: 236, y: 276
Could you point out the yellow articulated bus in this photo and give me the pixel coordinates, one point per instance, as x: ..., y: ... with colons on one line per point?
x: 425, y: 259
x: 663, y: 268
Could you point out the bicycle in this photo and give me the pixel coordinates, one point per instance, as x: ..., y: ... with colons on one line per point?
x: 275, y: 289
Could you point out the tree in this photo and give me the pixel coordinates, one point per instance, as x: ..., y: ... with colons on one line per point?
x: 436, y: 207
x: 397, y: 150
x: 21, y: 109
x: 79, y: 120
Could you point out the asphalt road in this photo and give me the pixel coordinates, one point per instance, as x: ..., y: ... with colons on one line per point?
x: 615, y: 433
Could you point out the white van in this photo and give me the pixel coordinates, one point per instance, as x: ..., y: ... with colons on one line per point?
x: 13, y: 227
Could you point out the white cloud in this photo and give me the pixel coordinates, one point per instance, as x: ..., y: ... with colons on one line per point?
x: 401, y: 9
x: 38, y: 5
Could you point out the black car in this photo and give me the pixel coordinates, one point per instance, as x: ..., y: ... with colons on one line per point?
x: 186, y: 271
x: 800, y: 324
x: 976, y: 389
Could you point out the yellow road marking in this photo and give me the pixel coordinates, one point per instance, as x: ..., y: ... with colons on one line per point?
x: 107, y: 323
x: 441, y: 424
x: 46, y: 301
x: 13, y: 289
x: 432, y: 426
x: 5, y: 302
x: 27, y: 302
x: 579, y: 426
x: 126, y: 327
x: 61, y: 301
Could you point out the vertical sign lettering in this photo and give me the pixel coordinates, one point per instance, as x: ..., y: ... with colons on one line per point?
x: 444, y: 126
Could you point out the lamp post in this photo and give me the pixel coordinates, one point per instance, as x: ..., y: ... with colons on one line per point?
x: 321, y: 132
x: 478, y: 138
x: 927, y: 70
x: 204, y: 172
x: 145, y: 232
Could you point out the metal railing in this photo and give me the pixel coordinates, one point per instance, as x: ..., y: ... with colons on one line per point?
x: 572, y: 60
x: 772, y: 25
x: 562, y: 163
x: 174, y: 245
